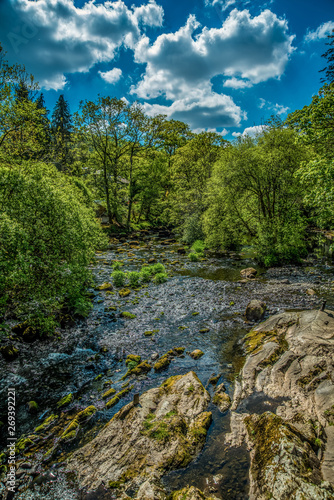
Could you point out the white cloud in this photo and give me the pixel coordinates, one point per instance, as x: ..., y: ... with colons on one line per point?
x: 150, y: 14
x: 64, y: 38
x: 254, y: 49
x: 322, y: 31
x: 251, y: 131
x: 112, y: 76
x: 236, y: 83
x: 226, y: 4
x: 205, y: 110
x: 278, y: 109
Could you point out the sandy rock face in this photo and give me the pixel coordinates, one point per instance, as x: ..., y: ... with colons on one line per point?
x: 290, y: 356
x: 165, y: 431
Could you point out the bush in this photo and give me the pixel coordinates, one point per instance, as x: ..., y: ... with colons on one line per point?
x: 160, y: 278
x: 116, y: 266
x: 48, y: 235
x: 134, y: 278
x: 158, y: 268
x: 118, y: 278
x: 194, y: 257
x: 145, y: 274
x: 198, y: 246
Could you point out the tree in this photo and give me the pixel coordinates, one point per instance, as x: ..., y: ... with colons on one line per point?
x: 48, y: 236
x: 329, y: 55
x: 254, y: 196
x: 192, y: 167
x: 61, y: 128
x: 101, y: 124
x: 315, y: 125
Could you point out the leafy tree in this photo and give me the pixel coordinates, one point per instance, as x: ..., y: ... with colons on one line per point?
x: 315, y: 124
x: 192, y: 167
x: 48, y: 236
x: 255, y: 196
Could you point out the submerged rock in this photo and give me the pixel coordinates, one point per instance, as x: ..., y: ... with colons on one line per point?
x: 140, y: 443
x: 9, y: 352
x: 196, y: 354
x: 221, y: 399
x: 255, y: 310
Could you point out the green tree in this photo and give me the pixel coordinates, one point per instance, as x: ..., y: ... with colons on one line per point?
x: 61, y: 128
x: 254, y: 196
x: 329, y: 55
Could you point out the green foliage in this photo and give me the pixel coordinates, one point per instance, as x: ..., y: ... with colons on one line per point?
x: 193, y: 257
x: 116, y: 266
x: 48, y: 237
x: 145, y: 274
x: 134, y: 278
x: 158, y: 268
x: 198, y: 246
x: 160, y: 278
x: 118, y: 278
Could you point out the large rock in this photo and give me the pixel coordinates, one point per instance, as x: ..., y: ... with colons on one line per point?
x: 191, y: 493
x: 140, y: 443
x: 290, y: 356
x: 248, y: 273
x: 255, y: 310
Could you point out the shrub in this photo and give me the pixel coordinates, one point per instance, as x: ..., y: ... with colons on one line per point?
x: 145, y: 274
x: 158, y: 268
x: 116, y: 266
x: 134, y: 278
x: 193, y: 257
x: 198, y: 246
x: 160, y: 278
x: 118, y: 278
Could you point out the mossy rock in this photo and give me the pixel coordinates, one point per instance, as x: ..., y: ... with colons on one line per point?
x: 65, y: 401
x: 109, y: 393
x: 139, y: 369
x: 204, y: 330
x: 133, y: 357
x: 149, y: 333
x: 128, y: 315
x: 9, y: 352
x: 112, y: 402
x: 47, y: 423
x: 104, y: 287
x: 162, y: 363
x: 32, y: 407
x: 196, y: 354
x: 124, y: 292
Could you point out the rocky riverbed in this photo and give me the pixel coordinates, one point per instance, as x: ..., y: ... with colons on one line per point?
x: 81, y: 380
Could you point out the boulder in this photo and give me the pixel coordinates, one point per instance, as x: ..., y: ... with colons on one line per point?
x: 221, y: 399
x: 255, y: 310
x: 249, y: 272
x: 181, y: 251
x: 290, y: 358
x: 9, y: 352
x: 196, y: 354
x: 140, y: 443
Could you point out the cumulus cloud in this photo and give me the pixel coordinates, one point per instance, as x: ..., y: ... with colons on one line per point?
x: 112, y: 76
x: 201, y: 109
x: 254, y: 49
x: 236, y: 83
x: 322, y: 31
x: 64, y: 38
x: 226, y: 4
x: 251, y: 131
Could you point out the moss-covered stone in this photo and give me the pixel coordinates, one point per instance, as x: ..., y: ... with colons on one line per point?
x: 196, y: 354
x: 108, y: 393
x: 65, y: 401
x: 47, y: 423
x: 133, y: 357
x: 124, y: 292
x: 112, y: 402
x: 9, y: 352
x: 128, y: 315
x: 32, y: 407
x: 104, y: 287
x: 149, y: 333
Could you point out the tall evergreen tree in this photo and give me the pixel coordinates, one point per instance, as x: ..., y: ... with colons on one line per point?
x: 61, y: 128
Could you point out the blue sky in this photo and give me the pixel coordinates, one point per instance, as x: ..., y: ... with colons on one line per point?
x: 223, y: 65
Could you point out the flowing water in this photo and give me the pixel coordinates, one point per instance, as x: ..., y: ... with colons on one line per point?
x: 202, y: 295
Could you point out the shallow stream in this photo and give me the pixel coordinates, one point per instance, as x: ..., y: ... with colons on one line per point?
x: 202, y: 295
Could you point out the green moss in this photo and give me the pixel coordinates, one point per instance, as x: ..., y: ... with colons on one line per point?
x: 204, y: 330
x: 105, y: 286
x: 108, y: 393
x: 191, y: 388
x: 124, y: 292
x: 47, y: 423
x: 162, y: 363
x: 128, y: 315
x: 112, y: 402
x: 98, y: 377
x: 32, y: 407
x: 66, y: 400
x: 195, y: 313
x: 133, y: 357
x: 149, y: 333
